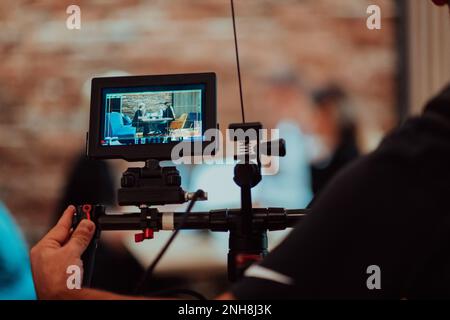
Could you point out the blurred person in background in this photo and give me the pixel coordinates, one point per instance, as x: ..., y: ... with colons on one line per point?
x: 16, y: 282
x: 333, y: 135
x: 287, y: 100
x: 318, y: 124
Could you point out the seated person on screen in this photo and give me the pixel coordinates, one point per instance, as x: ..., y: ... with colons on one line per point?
x: 167, y: 113
x: 139, y: 113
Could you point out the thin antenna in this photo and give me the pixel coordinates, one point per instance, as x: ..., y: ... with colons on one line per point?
x: 237, y: 61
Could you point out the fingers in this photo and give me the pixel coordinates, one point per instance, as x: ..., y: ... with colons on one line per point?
x: 81, y: 237
x: 61, y: 232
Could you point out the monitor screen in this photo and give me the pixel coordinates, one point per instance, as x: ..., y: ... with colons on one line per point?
x: 152, y: 115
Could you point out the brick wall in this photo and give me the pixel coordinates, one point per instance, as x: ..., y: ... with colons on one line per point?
x: 152, y: 102
x: 45, y: 70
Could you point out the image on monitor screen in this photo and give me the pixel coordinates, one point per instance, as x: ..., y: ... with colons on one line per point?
x: 149, y: 115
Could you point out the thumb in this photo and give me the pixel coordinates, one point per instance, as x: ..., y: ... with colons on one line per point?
x: 81, y: 237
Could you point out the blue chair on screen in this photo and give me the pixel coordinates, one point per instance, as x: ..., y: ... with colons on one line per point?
x: 117, y: 128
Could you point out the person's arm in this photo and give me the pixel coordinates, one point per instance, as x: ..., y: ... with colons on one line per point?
x: 384, y: 212
x: 16, y: 282
x: 59, y: 249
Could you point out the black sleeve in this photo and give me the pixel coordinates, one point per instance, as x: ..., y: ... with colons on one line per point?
x: 386, y: 209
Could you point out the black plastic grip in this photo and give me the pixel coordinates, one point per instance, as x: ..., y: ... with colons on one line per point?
x: 91, y: 212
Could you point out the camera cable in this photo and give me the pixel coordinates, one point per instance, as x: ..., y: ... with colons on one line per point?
x: 150, y: 270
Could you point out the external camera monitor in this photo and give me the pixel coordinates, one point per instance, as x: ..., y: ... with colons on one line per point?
x: 144, y: 117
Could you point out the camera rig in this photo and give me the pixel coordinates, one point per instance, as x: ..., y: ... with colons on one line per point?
x: 155, y: 185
